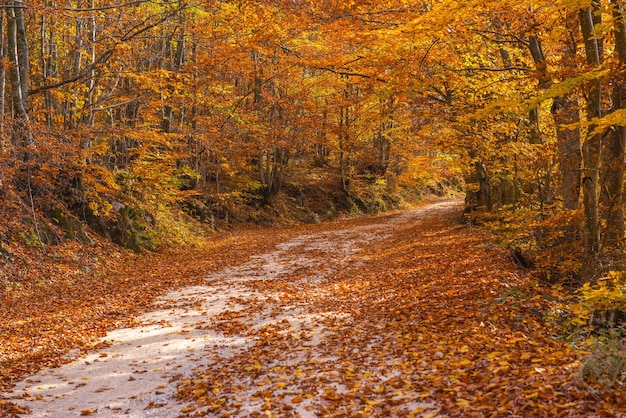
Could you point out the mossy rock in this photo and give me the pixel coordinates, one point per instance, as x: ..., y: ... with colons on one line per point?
x: 134, y: 229
x: 48, y: 235
x: 72, y: 227
x: 131, y: 228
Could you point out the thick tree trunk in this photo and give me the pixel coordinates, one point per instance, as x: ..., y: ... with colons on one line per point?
x: 564, y: 112
x: 272, y: 165
x: 611, y: 197
x: 591, y: 151
x: 611, y: 200
x: 485, y: 198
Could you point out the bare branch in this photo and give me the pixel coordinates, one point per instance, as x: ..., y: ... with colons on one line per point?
x: 334, y: 70
x: 349, y: 74
x: 490, y: 69
x: 114, y: 6
x: 124, y: 103
x: 132, y: 33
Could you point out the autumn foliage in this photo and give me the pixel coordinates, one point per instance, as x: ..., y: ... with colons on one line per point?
x: 152, y: 125
x: 130, y: 117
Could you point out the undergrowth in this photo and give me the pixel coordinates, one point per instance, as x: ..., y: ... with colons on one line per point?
x: 605, y: 367
x: 591, y: 317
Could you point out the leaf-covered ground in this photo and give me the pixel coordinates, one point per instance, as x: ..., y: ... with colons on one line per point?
x: 404, y: 314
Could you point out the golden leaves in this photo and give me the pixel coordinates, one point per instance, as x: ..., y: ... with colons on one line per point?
x: 93, y: 289
x: 413, y: 323
x: 409, y: 330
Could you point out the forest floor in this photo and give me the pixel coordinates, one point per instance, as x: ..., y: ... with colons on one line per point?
x: 409, y: 313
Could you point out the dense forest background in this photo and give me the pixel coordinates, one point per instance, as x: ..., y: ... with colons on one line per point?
x: 151, y: 123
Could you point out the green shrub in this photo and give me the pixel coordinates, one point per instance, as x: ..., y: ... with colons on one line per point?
x: 605, y: 365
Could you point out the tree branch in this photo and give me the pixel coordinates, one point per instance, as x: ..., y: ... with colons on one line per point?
x: 490, y: 69
x: 103, y: 57
x: 114, y: 6
x: 349, y: 74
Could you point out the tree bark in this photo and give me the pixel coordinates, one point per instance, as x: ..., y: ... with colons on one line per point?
x: 485, y: 186
x: 343, y: 138
x: 22, y: 50
x: 3, y: 55
x: 18, y: 57
x: 17, y: 51
x: 46, y: 64
x: 564, y: 112
x: 591, y: 150
x: 611, y: 196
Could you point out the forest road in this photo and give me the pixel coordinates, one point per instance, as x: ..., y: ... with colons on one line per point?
x: 299, y: 331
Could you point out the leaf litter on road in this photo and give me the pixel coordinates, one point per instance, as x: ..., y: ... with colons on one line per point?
x: 406, y: 314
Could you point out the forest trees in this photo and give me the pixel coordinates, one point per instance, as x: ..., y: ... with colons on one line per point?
x: 140, y: 109
x: 562, y: 59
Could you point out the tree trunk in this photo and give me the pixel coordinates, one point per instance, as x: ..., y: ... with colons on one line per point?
x: 18, y: 56
x: 3, y: 54
x: 343, y: 126
x: 611, y: 197
x: 22, y: 50
x: 485, y: 186
x: 272, y: 165
x: 19, y: 68
x: 89, y: 112
x: 564, y: 112
x: 46, y: 59
x: 591, y: 151
x: 611, y: 201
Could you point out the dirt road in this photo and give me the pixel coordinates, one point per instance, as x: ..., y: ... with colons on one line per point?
x: 197, y: 327
x: 384, y: 317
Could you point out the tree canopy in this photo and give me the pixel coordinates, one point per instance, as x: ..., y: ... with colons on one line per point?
x: 129, y: 114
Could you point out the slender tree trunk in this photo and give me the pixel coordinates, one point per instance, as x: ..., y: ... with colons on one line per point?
x: 258, y: 77
x: 89, y: 112
x: 45, y: 68
x: 19, y: 68
x: 343, y: 126
x: 75, y: 68
x: 18, y: 56
x: 3, y: 55
x: 48, y: 60
x: 22, y: 50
